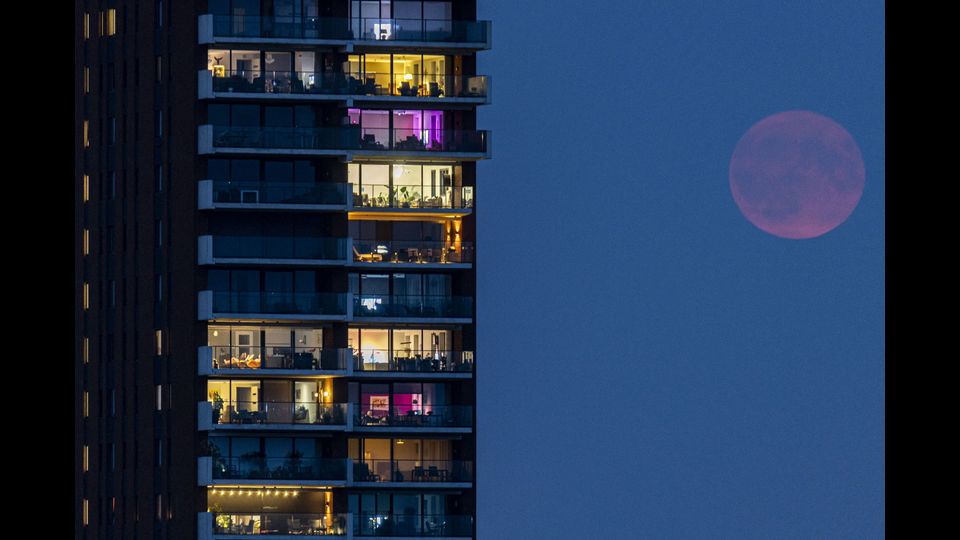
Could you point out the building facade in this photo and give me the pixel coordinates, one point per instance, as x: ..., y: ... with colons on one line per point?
x: 275, y: 267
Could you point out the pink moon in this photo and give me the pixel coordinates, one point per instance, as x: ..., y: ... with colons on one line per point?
x: 796, y: 174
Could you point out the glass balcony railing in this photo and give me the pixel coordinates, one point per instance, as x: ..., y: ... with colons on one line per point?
x: 352, y: 84
x: 425, y: 416
x: 416, y: 361
x: 226, y: 191
x: 412, y: 251
x: 373, y: 305
x: 351, y: 137
x: 412, y: 525
x: 280, y: 303
x: 257, y: 467
x: 271, y: 523
x: 422, y: 140
x: 319, y: 138
x: 279, y: 247
x: 278, y: 357
x: 408, y: 470
x: 386, y: 196
x: 264, y: 412
x: 360, y: 29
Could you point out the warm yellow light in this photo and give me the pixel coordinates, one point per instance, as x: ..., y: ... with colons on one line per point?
x: 111, y: 22
x: 408, y: 76
x: 216, y: 333
x: 86, y: 241
x: 86, y: 26
x: 86, y: 187
x: 326, y: 394
x: 295, y: 493
x: 86, y: 134
x: 86, y: 458
x: 86, y: 296
x: 86, y: 350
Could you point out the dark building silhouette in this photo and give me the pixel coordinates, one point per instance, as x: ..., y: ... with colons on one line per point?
x: 275, y: 324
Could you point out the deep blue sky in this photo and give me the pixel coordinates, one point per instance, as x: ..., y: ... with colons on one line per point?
x: 650, y: 364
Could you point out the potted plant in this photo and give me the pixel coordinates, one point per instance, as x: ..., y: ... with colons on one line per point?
x: 217, y: 407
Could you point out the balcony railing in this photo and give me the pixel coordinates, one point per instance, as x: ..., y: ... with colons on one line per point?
x: 351, y: 137
x: 270, y: 523
x: 359, y: 29
x: 278, y: 357
x: 318, y: 138
x: 422, y: 140
x: 386, y: 196
x: 352, y: 84
x: 288, y: 468
x: 279, y: 247
x: 226, y: 191
x: 373, y: 305
x: 412, y: 525
x: 280, y: 303
x: 263, y: 412
x: 426, y: 416
x: 413, y: 361
x: 408, y: 470
x: 411, y: 251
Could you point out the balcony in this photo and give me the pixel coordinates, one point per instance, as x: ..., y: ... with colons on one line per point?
x: 274, y: 524
x: 273, y: 306
x: 344, y: 87
x: 412, y: 254
x: 456, y: 364
x: 272, y: 250
x: 368, y: 32
x: 258, y: 470
x: 386, y: 308
x: 261, y: 414
x: 271, y: 360
x: 436, y: 473
x: 236, y: 195
x: 383, y: 197
x: 347, y: 141
x: 412, y: 525
x: 456, y: 418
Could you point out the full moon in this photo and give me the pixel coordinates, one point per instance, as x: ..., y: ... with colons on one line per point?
x: 796, y: 174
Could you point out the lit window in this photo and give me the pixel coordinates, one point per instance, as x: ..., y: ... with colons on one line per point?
x: 86, y: 133
x: 86, y: 80
x: 100, y: 26
x: 159, y: 334
x: 86, y: 404
x: 159, y: 506
x: 86, y: 350
x: 86, y: 26
x: 86, y: 458
x: 159, y: 397
x: 86, y: 241
x: 86, y: 295
x: 86, y: 187
x: 86, y: 512
x: 111, y: 22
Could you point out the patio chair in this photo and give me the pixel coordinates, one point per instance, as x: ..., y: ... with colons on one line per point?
x: 367, y: 257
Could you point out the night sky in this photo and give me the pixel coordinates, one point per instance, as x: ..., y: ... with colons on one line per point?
x: 650, y: 364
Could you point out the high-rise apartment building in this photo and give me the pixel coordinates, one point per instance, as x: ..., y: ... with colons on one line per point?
x: 275, y: 267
